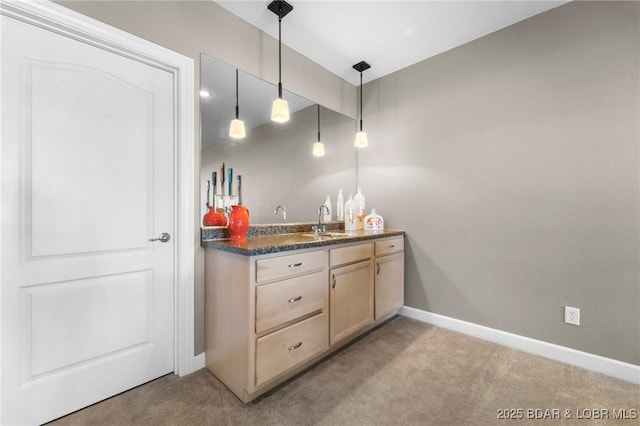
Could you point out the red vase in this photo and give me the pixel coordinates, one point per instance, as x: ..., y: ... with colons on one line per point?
x: 214, y: 217
x: 238, y: 223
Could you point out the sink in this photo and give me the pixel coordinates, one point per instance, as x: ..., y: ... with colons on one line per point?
x: 328, y: 235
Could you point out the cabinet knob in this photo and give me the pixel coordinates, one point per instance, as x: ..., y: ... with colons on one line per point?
x: 294, y: 347
x: 295, y: 299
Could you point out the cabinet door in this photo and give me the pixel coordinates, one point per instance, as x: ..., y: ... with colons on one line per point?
x: 351, y: 299
x: 389, y: 283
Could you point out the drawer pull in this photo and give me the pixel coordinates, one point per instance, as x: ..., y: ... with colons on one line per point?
x: 392, y: 246
x: 294, y: 347
x: 295, y: 299
x: 295, y: 265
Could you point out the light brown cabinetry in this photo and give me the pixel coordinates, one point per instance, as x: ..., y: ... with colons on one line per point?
x: 264, y: 316
x: 268, y: 317
x: 279, y: 351
x: 351, y: 290
x: 389, y: 276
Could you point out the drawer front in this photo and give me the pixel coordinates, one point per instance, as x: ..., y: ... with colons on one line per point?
x: 392, y: 245
x: 342, y: 255
x: 283, y: 267
x: 284, y: 349
x: 284, y: 301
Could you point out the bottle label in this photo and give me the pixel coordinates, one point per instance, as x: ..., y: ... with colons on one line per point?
x: 374, y: 223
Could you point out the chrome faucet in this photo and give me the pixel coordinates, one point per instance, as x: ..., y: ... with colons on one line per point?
x: 284, y: 213
x: 320, y: 228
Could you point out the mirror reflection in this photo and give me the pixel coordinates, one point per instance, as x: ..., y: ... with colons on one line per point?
x: 274, y: 159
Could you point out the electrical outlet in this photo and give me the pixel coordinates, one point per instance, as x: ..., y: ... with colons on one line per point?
x: 572, y: 315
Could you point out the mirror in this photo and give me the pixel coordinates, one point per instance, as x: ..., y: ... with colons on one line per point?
x: 275, y: 160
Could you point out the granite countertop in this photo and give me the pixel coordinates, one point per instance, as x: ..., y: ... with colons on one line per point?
x: 276, y: 243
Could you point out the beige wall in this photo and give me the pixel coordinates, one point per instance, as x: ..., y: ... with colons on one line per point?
x: 513, y: 164
x: 194, y: 27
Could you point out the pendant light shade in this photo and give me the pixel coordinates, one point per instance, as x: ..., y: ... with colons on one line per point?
x: 280, y: 109
x: 236, y: 128
x: 361, y: 139
x: 318, y: 147
x: 361, y: 136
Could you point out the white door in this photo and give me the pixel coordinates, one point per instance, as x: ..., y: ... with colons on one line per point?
x: 86, y: 180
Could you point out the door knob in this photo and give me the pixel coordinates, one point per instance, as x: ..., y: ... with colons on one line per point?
x: 163, y: 238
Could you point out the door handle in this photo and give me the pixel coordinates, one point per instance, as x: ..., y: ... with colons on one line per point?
x: 163, y: 238
x: 378, y: 271
x: 334, y: 280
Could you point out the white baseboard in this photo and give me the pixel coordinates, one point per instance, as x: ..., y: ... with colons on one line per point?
x: 608, y: 366
x: 199, y: 362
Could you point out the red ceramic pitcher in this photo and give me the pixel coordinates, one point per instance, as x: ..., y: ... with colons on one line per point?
x: 238, y: 223
x: 214, y: 217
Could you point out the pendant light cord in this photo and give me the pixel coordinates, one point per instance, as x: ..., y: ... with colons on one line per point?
x: 237, y: 107
x: 360, y: 100
x: 280, y: 54
x: 318, y: 122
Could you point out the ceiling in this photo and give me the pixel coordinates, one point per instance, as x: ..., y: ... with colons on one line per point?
x: 389, y: 35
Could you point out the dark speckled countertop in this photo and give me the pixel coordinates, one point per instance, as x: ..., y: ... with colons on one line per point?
x: 276, y: 243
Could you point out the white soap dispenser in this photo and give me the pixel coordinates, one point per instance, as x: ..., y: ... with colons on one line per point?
x: 340, y: 206
x: 327, y: 212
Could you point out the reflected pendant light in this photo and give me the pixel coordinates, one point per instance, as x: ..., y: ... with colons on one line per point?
x: 361, y: 136
x: 318, y: 147
x: 280, y: 109
x: 236, y: 128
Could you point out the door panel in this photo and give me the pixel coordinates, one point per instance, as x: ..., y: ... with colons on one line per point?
x: 62, y: 167
x: 389, y: 283
x: 87, y: 179
x: 54, y: 309
x: 350, y: 299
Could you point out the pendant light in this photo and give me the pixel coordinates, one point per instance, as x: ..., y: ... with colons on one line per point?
x: 318, y: 147
x: 280, y: 109
x: 361, y: 136
x: 236, y: 128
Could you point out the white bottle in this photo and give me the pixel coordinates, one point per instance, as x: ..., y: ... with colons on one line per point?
x: 350, y: 218
x: 373, y: 222
x: 360, y: 208
x: 327, y: 211
x: 340, y: 206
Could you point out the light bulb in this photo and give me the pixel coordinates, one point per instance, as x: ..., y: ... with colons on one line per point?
x: 236, y: 129
x: 280, y: 111
x: 318, y: 149
x: 361, y: 139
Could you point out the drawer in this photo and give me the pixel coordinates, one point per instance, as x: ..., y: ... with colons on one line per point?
x: 284, y: 349
x: 284, y: 301
x: 283, y: 267
x: 391, y: 245
x: 342, y: 255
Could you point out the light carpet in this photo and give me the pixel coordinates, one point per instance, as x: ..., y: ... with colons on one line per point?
x: 402, y: 373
